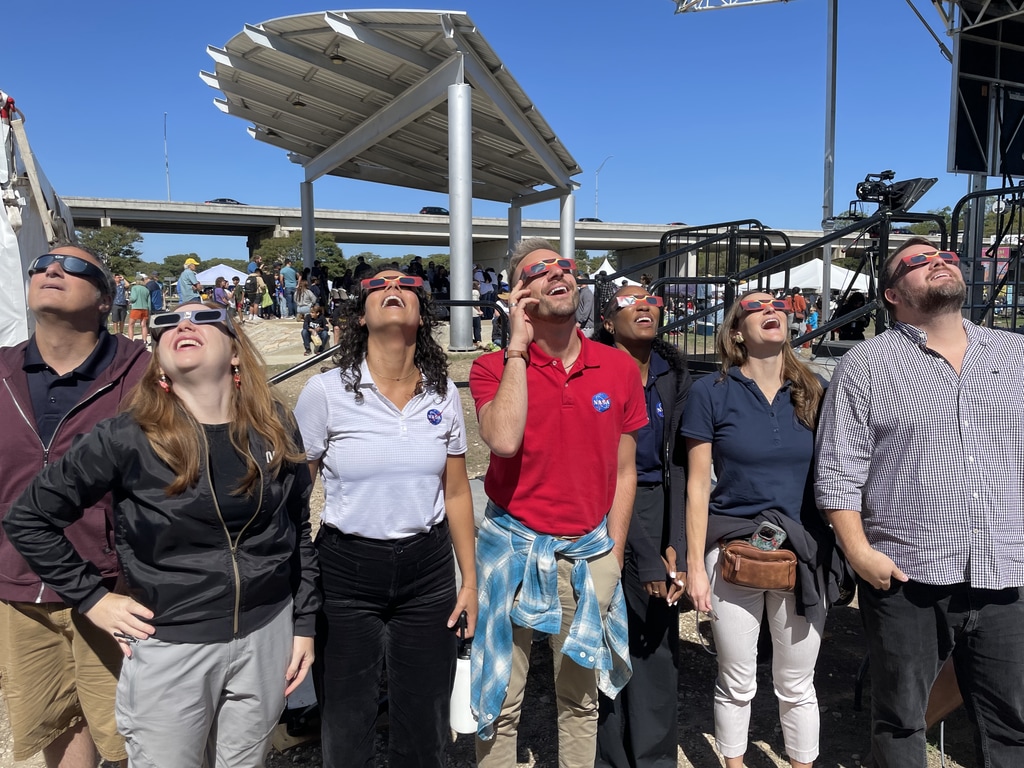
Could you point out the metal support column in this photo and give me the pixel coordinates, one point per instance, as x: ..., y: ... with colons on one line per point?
x: 974, y: 242
x: 460, y: 206
x: 827, y: 207
x: 308, y: 224
x: 567, y: 225
x: 515, y: 229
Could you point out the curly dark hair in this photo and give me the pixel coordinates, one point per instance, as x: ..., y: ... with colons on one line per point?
x: 429, y: 356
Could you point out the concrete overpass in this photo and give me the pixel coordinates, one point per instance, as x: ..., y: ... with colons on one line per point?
x: 632, y: 242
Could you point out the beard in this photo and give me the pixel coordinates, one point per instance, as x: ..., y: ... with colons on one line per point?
x: 560, y: 310
x: 938, y: 299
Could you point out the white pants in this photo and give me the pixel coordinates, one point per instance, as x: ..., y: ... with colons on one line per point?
x: 187, y: 705
x: 795, y: 643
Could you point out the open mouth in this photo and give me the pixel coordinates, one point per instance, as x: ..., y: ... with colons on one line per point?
x: 558, y: 290
x: 771, y: 322
x: 186, y: 342
x: 393, y: 300
x: 644, y: 320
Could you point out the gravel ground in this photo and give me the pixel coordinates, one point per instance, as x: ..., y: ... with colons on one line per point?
x: 844, y: 729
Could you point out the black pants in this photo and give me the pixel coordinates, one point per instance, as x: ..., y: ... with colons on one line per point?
x: 911, y: 629
x: 386, y: 603
x: 638, y: 728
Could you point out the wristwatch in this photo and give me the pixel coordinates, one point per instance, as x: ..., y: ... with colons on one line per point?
x: 511, y: 353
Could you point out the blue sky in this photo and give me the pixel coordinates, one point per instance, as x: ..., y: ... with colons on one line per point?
x: 708, y: 117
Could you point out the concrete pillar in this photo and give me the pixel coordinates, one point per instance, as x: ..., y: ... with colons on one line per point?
x: 460, y: 211
x: 308, y: 224
x: 567, y: 225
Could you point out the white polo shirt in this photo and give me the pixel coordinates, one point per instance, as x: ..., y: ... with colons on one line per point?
x: 381, y: 466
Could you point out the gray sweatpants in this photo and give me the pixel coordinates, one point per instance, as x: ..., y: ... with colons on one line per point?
x: 186, y: 705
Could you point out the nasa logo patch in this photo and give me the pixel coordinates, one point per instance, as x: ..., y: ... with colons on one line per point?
x: 434, y: 416
x: 660, y: 410
x: 602, y: 402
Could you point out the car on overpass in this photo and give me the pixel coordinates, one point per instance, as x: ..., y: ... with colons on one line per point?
x: 223, y: 201
x: 433, y: 210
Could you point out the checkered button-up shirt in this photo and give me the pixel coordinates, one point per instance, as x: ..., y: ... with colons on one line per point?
x: 933, y: 461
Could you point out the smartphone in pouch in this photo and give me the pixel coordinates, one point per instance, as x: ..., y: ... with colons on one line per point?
x: 768, y: 536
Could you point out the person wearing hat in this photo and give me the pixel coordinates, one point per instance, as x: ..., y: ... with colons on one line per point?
x: 140, y: 307
x: 188, y: 284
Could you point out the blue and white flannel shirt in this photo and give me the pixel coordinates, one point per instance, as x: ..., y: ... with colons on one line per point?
x: 509, y: 555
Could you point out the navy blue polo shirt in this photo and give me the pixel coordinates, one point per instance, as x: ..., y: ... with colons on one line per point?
x: 651, y: 436
x: 761, y: 452
x: 53, y: 396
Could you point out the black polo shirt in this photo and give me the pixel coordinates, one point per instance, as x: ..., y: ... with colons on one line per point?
x: 53, y: 396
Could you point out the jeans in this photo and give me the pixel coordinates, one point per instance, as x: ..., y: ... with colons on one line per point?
x: 386, y: 604
x: 289, y: 297
x: 307, y: 338
x: 476, y: 329
x: 911, y: 629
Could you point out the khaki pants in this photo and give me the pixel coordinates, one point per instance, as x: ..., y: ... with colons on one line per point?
x: 575, y: 686
x: 57, y: 668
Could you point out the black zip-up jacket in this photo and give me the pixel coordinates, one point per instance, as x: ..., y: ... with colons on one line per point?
x: 647, y: 539
x: 177, y: 556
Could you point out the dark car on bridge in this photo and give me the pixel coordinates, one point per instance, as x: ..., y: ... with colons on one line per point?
x: 223, y: 201
x: 590, y: 219
x: 433, y: 210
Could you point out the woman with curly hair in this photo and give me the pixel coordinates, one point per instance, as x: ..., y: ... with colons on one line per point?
x: 386, y: 432
x: 638, y: 728
x: 211, y: 500
x: 755, y: 422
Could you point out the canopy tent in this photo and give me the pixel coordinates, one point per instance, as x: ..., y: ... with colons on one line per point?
x: 809, y: 276
x: 608, y: 269
x: 207, y: 276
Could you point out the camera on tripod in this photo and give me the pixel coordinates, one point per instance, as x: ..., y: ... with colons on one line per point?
x: 895, y: 196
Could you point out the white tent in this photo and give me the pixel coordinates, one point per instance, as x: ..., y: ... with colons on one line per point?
x: 207, y: 276
x: 808, y: 276
x: 608, y: 269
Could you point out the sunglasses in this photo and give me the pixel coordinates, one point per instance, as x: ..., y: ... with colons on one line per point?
x: 71, y: 265
x: 912, y: 261
x: 756, y: 305
x: 165, y: 320
x: 538, y: 268
x: 629, y: 301
x: 402, y: 281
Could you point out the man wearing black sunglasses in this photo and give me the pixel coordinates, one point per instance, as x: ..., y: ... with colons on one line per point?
x: 60, y: 673
x: 919, y: 468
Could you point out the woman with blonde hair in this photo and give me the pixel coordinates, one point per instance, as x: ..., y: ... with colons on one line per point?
x: 385, y: 430
x: 755, y: 422
x: 211, y: 499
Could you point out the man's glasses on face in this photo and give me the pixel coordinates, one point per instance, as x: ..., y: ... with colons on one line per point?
x: 912, y: 261
x: 402, y: 281
x: 72, y: 265
x: 757, y: 305
x: 543, y: 266
x: 639, y: 298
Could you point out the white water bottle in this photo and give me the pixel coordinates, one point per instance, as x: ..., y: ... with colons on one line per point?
x: 461, y: 715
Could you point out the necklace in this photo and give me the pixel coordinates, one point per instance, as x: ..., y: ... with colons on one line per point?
x: 414, y: 372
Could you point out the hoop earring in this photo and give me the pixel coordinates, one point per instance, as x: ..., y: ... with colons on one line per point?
x: 237, y: 376
x: 164, y: 383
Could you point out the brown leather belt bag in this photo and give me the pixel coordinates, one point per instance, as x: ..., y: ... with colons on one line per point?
x: 745, y: 565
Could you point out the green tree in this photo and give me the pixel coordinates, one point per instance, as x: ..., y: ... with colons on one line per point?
x: 925, y: 228
x: 116, y: 244
x: 175, y: 264
x: 275, y: 250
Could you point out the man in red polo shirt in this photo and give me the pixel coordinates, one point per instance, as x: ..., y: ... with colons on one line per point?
x: 560, y: 414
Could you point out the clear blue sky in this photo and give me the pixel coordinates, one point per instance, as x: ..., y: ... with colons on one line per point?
x: 708, y: 116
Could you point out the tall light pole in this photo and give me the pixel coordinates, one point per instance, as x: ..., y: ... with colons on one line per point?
x: 596, y: 174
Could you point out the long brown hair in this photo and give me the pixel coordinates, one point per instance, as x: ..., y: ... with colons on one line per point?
x: 805, y: 389
x: 178, y: 439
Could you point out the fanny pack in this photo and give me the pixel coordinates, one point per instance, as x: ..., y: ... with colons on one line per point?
x: 745, y: 565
